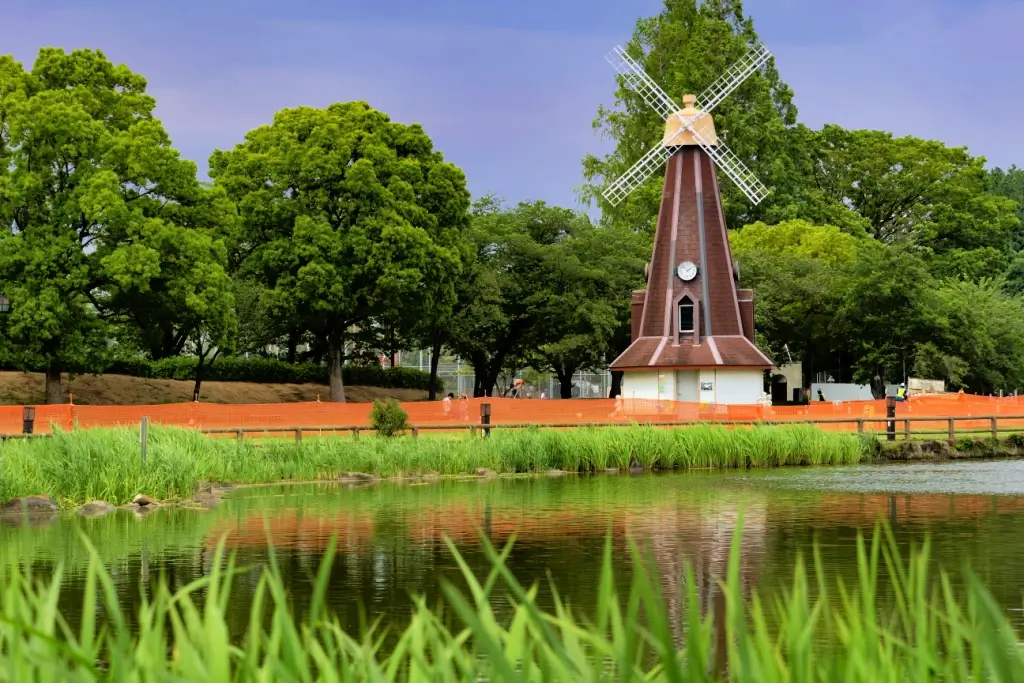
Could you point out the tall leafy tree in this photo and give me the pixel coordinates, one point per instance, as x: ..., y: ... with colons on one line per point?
x: 100, y: 219
x: 347, y: 215
x: 549, y: 289
x: 581, y: 297
x: 931, y: 197
x: 684, y: 49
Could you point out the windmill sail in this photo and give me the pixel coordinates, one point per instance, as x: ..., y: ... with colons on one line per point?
x: 658, y: 99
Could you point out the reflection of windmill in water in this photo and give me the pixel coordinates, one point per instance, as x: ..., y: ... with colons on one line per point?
x: 701, y: 536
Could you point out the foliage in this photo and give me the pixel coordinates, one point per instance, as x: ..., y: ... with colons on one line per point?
x: 684, y: 49
x: 102, y: 220
x: 83, y: 465
x: 347, y: 215
x: 546, y: 287
x: 388, y: 417
x: 908, y: 190
x: 820, y: 630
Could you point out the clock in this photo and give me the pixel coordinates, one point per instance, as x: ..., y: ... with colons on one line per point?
x: 686, y: 271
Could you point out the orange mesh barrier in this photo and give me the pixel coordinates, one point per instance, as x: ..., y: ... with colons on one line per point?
x: 505, y: 411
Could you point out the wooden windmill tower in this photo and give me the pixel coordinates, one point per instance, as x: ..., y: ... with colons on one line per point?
x: 692, y: 329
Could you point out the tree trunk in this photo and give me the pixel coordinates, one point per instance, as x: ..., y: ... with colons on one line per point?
x: 435, y: 359
x: 616, y: 389
x: 199, y: 376
x: 54, y: 392
x: 394, y: 346
x: 200, y: 367
x: 293, y: 345
x: 335, y: 353
x: 490, y: 380
x: 564, y: 375
x: 878, y: 384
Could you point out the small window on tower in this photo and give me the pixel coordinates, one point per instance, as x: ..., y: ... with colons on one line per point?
x: 686, y: 315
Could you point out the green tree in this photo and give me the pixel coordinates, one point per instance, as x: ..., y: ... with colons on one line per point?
x: 546, y: 288
x: 921, y: 192
x: 976, y: 337
x: 684, y: 49
x: 346, y: 216
x: 1009, y: 183
x: 581, y: 296
x: 101, y: 218
x: 799, y: 273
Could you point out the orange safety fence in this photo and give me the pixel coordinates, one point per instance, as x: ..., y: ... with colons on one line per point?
x: 463, y: 412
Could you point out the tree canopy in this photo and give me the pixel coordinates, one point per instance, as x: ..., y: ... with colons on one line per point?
x: 346, y: 214
x: 100, y: 219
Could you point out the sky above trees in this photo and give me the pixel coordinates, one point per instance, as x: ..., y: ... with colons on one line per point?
x: 508, y: 90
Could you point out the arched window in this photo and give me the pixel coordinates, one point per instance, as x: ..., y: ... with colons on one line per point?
x: 686, y: 315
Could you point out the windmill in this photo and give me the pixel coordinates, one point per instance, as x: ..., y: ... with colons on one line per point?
x: 682, y: 124
x: 692, y: 330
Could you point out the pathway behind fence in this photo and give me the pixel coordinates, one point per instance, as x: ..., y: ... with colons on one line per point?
x: 853, y: 415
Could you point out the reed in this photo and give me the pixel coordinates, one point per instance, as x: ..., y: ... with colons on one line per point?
x: 83, y: 465
x: 495, y: 630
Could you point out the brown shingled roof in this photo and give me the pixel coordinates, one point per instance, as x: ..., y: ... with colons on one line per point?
x: 660, y: 352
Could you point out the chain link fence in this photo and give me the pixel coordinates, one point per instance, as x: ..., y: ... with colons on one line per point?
x: 458, y: 378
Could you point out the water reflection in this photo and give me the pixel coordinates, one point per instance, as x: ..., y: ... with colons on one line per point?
x: 391, y: 536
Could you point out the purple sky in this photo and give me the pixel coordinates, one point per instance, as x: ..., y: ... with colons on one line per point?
x: 508, y: 90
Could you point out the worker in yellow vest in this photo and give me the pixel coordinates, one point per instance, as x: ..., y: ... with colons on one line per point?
x: 901, y: 393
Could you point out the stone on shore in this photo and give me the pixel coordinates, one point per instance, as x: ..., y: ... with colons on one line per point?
x: 358, y: 476
x: 485, y: 473
x: 30, y: 504
x: 96, y: 508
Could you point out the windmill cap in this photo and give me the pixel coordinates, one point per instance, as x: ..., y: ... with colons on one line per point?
x: 689, y: 100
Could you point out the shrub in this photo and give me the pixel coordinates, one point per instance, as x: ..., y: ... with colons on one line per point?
x: 388, y: 417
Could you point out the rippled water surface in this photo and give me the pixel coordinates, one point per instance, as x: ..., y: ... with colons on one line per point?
x: 391, y: 535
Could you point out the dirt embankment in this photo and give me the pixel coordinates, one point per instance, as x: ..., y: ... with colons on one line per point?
x: 27, y: 388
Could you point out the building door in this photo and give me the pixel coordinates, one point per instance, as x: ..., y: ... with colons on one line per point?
x: 687, y: 386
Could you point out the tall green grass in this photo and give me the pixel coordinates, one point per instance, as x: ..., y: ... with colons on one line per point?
x: 105, y: 463
x: 821, y: 630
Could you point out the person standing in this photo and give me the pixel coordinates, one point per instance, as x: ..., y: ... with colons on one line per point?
x: 447, y: 403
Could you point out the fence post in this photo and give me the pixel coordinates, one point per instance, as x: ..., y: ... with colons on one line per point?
x: 415, y: 432
x: 144, y: 437
x: 906, y: 428
x: 860, y: 425
x: 890, y: 412
x: 239, y: 435
x: 995, y: 428
x: 472, y: 430
x: 949, y: 422
x: 355, y: 434
x: 28, y: 419
x: 485, y: 417
x: 298, y: 435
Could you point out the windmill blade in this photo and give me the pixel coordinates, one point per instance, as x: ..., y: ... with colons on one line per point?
x: 639, y: 81
x: 637, y: 174
x: 738, y: 173
x: 733, y: 77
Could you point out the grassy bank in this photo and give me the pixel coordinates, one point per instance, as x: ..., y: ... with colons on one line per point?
x: 104, y: 463
x: 822, y: 630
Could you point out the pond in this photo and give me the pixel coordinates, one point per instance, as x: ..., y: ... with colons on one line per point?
x: 391, y: 535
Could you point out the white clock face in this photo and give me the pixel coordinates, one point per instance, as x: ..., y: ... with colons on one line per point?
x: 687, y: 270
